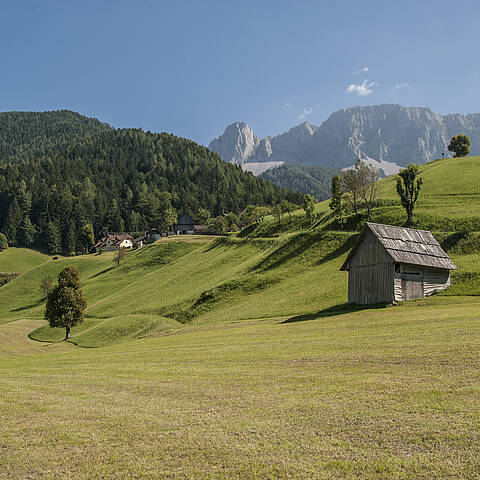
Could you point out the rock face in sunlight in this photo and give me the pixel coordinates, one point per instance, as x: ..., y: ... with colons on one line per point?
x: 237, y: 144
x: 391, y: 136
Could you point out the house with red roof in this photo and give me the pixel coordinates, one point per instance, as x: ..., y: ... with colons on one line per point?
x: 114, y: 241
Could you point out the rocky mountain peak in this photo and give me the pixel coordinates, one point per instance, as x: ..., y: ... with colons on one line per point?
x: 237, y: 143
x: 392, y: 136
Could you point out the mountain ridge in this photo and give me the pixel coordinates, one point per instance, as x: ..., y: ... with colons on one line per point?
x: 389, y: 135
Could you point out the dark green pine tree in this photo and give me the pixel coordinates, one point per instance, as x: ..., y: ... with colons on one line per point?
x: 26, y: 232
x: 70, y: 239
x: 12, y: 222
x: 53, y: 242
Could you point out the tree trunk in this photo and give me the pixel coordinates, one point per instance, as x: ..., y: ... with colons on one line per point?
x: 409, y: 217
x: 67, y: 333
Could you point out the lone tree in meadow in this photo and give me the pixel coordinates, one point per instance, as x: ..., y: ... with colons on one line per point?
x: 65, y: 303
x: 309, y: 207
x: 120, y: 255
x: 460, y: 145
x: 336, y: 204
x: 350, y: 186
x: 408, y: 188
x: 367, y: 178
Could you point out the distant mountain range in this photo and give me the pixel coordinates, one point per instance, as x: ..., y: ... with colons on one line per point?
x: 388, y: 136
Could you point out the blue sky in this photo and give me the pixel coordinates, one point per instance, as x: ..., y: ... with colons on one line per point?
x: 192, y: 67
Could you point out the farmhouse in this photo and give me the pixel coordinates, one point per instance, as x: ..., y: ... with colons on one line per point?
x: 114, y: 241
x: 186, y: 225
x: 391, y: 264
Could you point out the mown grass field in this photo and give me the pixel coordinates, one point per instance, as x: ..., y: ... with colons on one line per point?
x: 236, y: 357
x: 388, y: 393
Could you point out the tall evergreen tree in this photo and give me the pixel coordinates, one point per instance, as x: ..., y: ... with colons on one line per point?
x: 26, y: 232
x: 12, y: 222
x: 53, y: 242
x: 70, y: 239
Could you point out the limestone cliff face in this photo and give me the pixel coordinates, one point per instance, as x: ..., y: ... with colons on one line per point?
x: 388, y: 134
x: 237, y: 144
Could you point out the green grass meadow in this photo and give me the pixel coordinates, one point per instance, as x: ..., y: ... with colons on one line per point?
x: 237, y: 357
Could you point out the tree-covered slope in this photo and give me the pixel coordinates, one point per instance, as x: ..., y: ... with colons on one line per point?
x: 121, y: 180
x: 28, y: 136
x: 315, y: 181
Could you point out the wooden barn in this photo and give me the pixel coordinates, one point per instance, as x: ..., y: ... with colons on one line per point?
x: 186, y: 226
x: 390, y: 264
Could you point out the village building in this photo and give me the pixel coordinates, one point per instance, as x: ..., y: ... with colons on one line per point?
x: 148, y: 237
x: 114, y: 241
x: 186, y: 225
x: 391, y: 264
x: 153, y: 235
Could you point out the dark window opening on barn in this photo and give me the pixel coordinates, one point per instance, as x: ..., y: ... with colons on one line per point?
x: 397, y: 268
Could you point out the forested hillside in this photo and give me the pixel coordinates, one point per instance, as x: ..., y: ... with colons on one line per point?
x: 28, y: 136
x: 313, y: 180
x: 121, y: 180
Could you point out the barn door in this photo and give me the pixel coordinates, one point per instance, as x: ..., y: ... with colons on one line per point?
x: 412, y: 286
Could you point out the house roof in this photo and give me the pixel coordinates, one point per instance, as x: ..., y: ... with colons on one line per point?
x: 406, y: 245
x: 185, y: 219
x: 114, y: 238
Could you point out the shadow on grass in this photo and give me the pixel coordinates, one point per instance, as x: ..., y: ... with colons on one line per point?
x: 106, y: 270
x: 299, y: 244
x: 27, y: 307
x: 340, y: 309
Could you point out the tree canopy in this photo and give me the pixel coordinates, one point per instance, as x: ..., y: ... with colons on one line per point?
x: 460, y: 145
x: 312, y: 180
x: 409, y: 184
x: 65, y: 302
x: 117, y: 180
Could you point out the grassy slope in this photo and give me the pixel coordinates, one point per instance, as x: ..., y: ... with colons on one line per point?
x: 171, y: 283
x: 449, y: 199
x: 266, y: 381
x: 20, y: 260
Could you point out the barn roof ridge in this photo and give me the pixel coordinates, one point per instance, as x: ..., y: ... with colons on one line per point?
x: 405, y: 245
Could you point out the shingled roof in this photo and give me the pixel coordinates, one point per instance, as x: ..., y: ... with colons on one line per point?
x: 406, y: 245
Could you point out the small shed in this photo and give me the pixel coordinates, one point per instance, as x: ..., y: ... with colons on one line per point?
x: 391, y: 264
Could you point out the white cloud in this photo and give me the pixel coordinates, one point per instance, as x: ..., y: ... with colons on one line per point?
x: 398, y: 86
x: 306, y: 111
x: 361, y: 70
x: 362, y: 89
x: 288, y: 105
